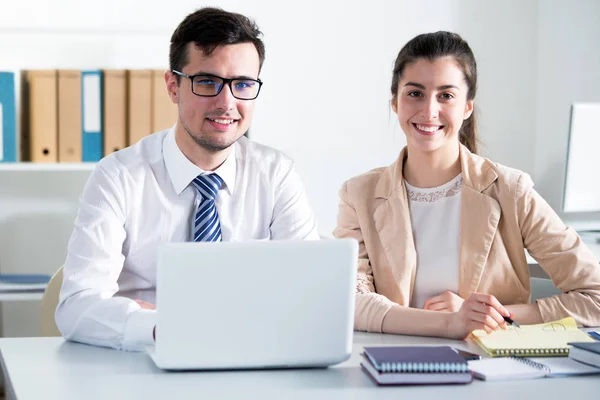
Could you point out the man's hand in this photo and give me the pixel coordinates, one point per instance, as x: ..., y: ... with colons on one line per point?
x: 145, y: 304
x: 148, y: 306
x: 447, y: 301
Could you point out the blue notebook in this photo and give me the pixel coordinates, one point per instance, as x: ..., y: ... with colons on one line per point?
x: 415, y: 365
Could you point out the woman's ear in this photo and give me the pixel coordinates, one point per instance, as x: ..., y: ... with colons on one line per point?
x: 469, y: 109
x: 394, y: 105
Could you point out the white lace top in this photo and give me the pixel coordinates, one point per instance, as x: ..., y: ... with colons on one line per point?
x: 435, y: 220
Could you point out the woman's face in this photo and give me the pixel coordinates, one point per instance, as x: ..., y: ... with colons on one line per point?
x: 432, y: 104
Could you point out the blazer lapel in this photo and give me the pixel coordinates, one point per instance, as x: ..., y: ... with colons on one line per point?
x: 480, y: 215
x: 479, y: 219
x: 392, y: 221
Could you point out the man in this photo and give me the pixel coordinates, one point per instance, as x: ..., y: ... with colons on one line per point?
x: 199, y: 181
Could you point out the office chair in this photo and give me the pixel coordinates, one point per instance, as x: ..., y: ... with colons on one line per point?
x: 49, y: 304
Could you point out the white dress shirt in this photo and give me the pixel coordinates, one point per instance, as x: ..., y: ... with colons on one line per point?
x: 435, y: 219
x: 142, y: 196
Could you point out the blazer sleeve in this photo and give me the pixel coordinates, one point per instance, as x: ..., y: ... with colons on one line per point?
x: 371, y: 307
x: 560, y: 252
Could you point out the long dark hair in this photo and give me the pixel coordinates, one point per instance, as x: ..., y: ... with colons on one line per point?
x: 431, y: 46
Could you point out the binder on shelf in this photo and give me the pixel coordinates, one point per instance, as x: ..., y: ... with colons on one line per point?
x: 8, y: 115
x: 115, y: 110
x: 91, y: 116
x: 41, y: 137
x: 139, y: 105
x: 69, y: 116
x: 164, y: 111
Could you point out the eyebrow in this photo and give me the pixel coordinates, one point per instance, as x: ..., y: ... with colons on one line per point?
x: 443, y: 87
x: 217, y: 76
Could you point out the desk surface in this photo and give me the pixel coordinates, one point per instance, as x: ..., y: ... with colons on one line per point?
x: 50, y: 368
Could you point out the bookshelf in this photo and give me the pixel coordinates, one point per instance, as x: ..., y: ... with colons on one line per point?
x: 38, y: 202
x: 38, y: 205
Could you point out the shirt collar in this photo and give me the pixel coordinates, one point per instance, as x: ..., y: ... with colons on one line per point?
x: 182, y: 171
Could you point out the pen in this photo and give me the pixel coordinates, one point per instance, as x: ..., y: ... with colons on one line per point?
x: 511, y: 321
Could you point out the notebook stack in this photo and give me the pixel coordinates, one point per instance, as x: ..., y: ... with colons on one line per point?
x: 415, y: 365
x: 588, y: 353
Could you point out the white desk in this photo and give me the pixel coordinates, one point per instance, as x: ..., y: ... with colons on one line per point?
x: 49, y: 368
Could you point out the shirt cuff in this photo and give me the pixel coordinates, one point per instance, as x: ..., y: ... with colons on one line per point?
x: 138, y: 330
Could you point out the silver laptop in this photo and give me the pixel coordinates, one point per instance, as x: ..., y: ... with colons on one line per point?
x: 256, y: 304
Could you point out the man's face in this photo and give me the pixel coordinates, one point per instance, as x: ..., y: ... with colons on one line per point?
x: 215, y: 123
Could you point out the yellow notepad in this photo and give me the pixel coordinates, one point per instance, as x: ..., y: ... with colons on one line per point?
x: 541, y: 340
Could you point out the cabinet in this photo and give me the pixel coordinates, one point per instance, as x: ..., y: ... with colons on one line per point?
x: 38, y: 205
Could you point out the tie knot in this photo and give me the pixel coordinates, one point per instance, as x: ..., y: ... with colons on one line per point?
x: 208, y: 185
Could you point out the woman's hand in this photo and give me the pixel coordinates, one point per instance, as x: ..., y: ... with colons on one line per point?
x: 479, y: 311
x: 447, y: 301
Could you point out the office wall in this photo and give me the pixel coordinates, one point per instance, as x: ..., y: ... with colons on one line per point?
x: 569, y: 71
x: 325, y: 101
x: 503, y: 38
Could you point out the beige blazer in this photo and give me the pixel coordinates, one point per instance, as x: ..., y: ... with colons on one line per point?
x: 501, y: 216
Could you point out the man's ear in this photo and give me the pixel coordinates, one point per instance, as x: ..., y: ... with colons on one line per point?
x: 172, y: 86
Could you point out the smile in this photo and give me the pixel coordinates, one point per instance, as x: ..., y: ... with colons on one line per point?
x: 222, y: 121
x: 428, y: 129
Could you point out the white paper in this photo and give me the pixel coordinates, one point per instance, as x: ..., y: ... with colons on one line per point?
x: 503, y: 369
x: 91, y: 103
x: 565, y: 366
x: 582, y: 188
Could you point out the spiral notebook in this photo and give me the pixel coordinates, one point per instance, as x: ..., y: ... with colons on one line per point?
x: 415, y: 365
x: 541, y: 340
x: 516, y: 368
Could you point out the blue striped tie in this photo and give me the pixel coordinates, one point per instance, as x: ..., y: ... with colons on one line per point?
x: 206, y: 222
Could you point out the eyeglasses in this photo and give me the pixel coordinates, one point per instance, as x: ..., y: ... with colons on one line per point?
x: 211, y: 85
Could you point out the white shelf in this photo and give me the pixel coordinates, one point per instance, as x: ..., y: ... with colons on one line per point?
x: 21, y: 296
x: 46, y: 167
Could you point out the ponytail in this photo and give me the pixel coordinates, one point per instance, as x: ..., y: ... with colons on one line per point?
x: 468, y: 132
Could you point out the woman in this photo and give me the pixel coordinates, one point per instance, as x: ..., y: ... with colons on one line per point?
x: 442, y: 231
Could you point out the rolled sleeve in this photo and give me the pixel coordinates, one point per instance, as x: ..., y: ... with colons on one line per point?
x: 138, y: 330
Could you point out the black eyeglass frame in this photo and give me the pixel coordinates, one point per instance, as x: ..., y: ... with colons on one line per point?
x: 226, y: 81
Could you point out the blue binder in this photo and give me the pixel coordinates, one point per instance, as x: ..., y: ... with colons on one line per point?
x: 8, y: 118
x: 91, y: 115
